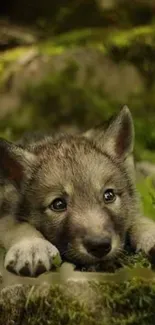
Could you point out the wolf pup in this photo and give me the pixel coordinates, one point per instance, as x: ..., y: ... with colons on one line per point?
x: 72, y: 193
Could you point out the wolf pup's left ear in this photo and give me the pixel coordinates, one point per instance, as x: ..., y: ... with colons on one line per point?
x: 15, y: 162
x: 119, y: 136
x: 116, y: 139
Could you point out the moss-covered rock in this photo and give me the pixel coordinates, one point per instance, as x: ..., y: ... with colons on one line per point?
x: 126, y: 297
x: 69, y: 296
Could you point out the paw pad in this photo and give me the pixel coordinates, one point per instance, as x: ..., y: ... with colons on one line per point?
x: 40, y: 269
x: 25, y: 271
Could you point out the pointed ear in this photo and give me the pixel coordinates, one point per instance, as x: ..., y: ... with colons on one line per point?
x: 117, y: 137
x: 15, y: 162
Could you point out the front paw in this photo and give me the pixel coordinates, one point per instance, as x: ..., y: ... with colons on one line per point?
x: 31, y: 257
x: 147, y: 246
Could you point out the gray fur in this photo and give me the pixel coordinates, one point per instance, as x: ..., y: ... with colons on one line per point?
x: 79, y: 168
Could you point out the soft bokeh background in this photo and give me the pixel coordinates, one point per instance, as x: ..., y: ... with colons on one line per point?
x: 71, y: 64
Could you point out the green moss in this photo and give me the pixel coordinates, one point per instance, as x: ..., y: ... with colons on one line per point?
x: 85, y: 37
x: 79, y: 303
x: 8, y: 62
x: 130, y: 302
x: 56, y: 308
x: 49, y: 48
x: 143, y: 34
x: 12, y: 55
x: 79, y: 298
x: 136, y: 46
x: 104, y: 39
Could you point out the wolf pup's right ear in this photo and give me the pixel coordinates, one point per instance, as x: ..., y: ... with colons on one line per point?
x: 116, y: 139
x: 15, y: 162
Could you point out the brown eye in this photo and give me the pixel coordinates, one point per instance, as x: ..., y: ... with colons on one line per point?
x: 58, y: 205
x: 109, y: 196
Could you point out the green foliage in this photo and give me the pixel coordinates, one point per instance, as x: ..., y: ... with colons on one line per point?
x: 63, y: 310
x: 147, y: 193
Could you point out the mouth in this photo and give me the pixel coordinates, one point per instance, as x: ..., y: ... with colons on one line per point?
x: 83, y: 258
x: 90, y: 264
x: 79, y: 259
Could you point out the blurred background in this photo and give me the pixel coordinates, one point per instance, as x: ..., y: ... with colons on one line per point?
x: 72, y: 64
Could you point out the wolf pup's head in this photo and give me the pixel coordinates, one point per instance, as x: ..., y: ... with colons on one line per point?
x: 78, y: 191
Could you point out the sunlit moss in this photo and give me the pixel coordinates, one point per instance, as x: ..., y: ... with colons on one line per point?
x: 9, y: 58
x: 145, y: 34
x: 13, y: 54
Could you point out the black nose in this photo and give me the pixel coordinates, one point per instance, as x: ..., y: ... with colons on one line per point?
x: 98, y: 246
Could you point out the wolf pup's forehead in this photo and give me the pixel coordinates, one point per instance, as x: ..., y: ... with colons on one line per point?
x: 114, y: 144
x: 76, y: 163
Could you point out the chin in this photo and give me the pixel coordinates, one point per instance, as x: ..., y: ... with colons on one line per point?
x: 79, y: 258
x: 82, y: 261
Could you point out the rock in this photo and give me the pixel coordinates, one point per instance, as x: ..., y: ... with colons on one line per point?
x: 32, y: 67
x: 106, y: 302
